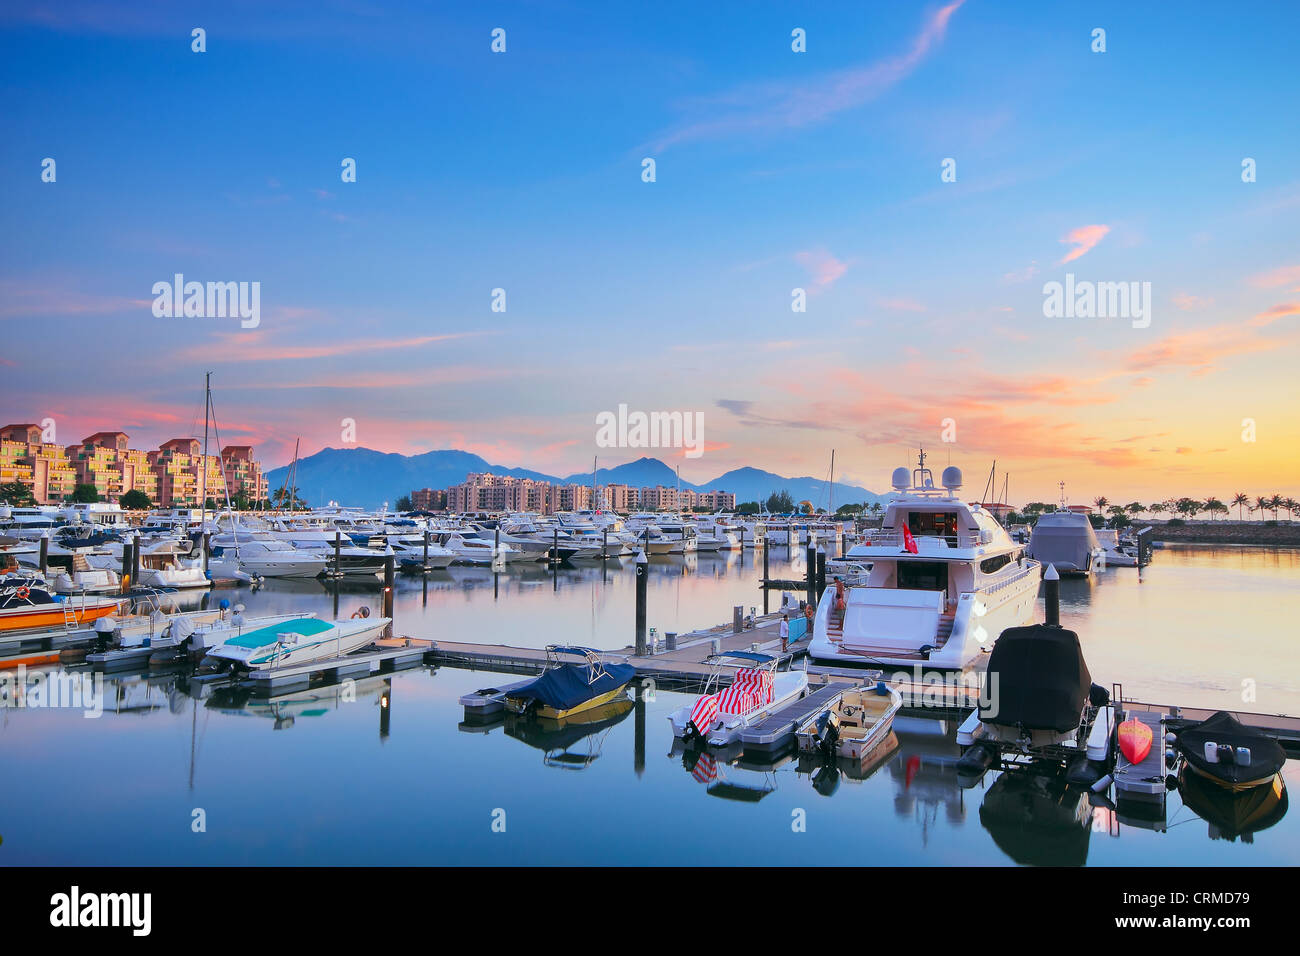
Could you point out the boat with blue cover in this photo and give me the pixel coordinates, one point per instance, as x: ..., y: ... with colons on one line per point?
x: 565, y: 689
x: 297, y: 641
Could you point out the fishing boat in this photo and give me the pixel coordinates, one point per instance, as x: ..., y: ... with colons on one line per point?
x: 1229, y: 754
x: 946, y: 579
x: 27, y: 602
x: 565, y: 689
x: 721, y: 713
x: 854, y: 726
x: 298, y: 641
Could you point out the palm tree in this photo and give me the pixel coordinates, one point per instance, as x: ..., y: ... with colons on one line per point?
x: 1135, y: 508
x: 1291, y: 505
x: 1261, y: 503
x: 1101, y: 504
x: 1240, y: 499
x: 1275, y: 502
x: 1214, y: 506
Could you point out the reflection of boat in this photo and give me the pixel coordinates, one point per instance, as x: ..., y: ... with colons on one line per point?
x: 565, y: 689
x: 724, y: 780
x: 284, y: 709
x: 854, y: 726
x: 298, y: 641
x: 826, y: 772
x: 1233, y: 814
x: 1228, y: 753
x: 1037, y: 819
x: 557, y: 739
x: 720, y: 714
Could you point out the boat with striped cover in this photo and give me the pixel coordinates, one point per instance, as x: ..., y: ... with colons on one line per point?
x: 721, y: 713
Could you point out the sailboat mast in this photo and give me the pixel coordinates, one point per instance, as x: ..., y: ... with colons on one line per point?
x: 831, y: 507
x: 203, y: 471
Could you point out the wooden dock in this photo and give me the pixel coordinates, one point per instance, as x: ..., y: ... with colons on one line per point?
x: 776, y: 732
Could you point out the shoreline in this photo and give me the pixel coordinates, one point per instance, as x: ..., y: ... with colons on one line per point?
x: 1281, y: 535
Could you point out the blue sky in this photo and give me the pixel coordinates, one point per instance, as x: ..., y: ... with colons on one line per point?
x: 775, y: 170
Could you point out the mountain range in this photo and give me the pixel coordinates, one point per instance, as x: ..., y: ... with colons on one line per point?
x: 368, y: 478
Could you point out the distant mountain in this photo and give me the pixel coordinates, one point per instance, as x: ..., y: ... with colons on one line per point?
x: 364, y: 477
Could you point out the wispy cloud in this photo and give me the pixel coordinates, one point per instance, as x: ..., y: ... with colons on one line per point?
x: 822, y: 267
x: 776, y: 106
x: 1083, y: 239
x: 257, y: 347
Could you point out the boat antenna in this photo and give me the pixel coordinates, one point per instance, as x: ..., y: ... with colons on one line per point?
x: 203, y: 472
x: 1062, y: 486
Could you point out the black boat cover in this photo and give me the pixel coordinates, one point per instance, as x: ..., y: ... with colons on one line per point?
x: 569, y: 685
x: 1042, y: 679
x: 1223, y: 729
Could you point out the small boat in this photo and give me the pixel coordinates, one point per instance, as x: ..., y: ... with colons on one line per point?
x: 1232, y: 814
x: 1066, y: 540
x: 721, y: 713
x: 565, y: 689
x: 26, y: 602
x: 297, y: 641
x: 855, y: 725
x: 1228, y: 753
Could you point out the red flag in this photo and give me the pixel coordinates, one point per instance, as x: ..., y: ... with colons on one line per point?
x: 909, y: 543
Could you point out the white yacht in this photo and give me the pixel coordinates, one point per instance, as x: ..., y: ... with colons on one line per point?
x: 471, y: 548
x: 297, y: 641
x: 1115, y: 553
x: 262, y: 557
x: 945, y: 581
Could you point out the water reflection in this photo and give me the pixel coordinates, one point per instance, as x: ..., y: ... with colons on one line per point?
x: 1036, y: 819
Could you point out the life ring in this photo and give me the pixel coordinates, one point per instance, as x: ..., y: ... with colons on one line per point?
x: 22, y: 593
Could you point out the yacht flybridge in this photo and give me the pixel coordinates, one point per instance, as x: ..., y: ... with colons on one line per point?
x: 946, y: 579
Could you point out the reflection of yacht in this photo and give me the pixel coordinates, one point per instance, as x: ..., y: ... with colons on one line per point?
x: 284, y: 709
x: 945, y: 581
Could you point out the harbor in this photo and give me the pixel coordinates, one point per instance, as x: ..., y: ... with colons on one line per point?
x: 447, y: 646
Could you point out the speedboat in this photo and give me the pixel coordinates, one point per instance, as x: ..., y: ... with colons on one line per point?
x: 27, y: 601
x: 1229, y: 754
x: 945, y: 581
x: 263, y: 557
x: 1066, y: 540
x: 297, y: 641
x: 1114, y: 554
x: 719, y: 715
x: 470, y: 548
x: 854, y: 726
x: 565, y: 689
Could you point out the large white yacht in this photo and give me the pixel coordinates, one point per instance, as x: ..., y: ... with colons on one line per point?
x: 946, y: 579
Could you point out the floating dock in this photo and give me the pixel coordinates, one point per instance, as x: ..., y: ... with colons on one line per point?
x: 776, y: 732
x: 1144, y: 780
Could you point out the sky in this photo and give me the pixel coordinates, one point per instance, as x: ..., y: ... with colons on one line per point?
x: 774, y: 170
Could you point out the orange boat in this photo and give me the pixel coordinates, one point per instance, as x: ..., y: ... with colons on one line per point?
x: 27, y: 604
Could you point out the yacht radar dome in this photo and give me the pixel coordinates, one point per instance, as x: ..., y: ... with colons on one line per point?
x: 951, y: 478
x: 902, y: 479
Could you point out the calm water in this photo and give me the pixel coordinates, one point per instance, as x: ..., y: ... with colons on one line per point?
x: 396, y: 777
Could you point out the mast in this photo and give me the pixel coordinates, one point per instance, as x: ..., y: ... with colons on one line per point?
x: 203, y: 472
x: 831, y: 507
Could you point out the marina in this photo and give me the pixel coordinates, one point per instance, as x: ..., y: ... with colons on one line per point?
x: 425, y: 671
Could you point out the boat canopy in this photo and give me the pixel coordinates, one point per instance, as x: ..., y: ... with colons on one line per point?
x: 1043, y: 681
x: 1253, y: 755
x: 565, y: 687
x: 744, y: 656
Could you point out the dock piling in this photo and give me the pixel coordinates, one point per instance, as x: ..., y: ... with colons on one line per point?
x: 642, y: 575
x: 45, y: 552
x: 338, y: 545
x: 206, y: 545
x: 389, y: 567
x: 821, y: 570
x: 135, y: 560
x: 1052, y: 595
x: 810, y: 561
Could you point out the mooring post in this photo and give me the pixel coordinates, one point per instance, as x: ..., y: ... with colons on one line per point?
x: 638, y: 737
x: 821, y: 570
x: 604, y: 544
x: 1052, y: 595
x: 642, y: 574
x: 45, y: 552
x: 125, y: 582
x: 135, y: 561
x: 766, y: 589
x: 496, y: 545
x: 338, y: 547
x: 555, y: 545
x: 425, y: 567
x: 811, y: 563
x: 389, y: 567
x: 207, y: 549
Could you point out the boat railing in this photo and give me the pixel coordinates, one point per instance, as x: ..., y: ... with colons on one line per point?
x: 886, y: 539
x: 1006, y: 582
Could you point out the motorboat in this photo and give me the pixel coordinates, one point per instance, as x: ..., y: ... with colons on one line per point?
x: 159, y: 637
x: 28, y: 602
x: 471, y: 548
x: 945, y: 581
x: 1229, y: 754
x: 719, y: 715
x: 412, y: 555
x: 565, y: 689
x: 854, y: 726
x: 1114, y: 553
x: 299, y: 641
x: 82, y: 577
x: 1065, y: 540
x: 263, y: 557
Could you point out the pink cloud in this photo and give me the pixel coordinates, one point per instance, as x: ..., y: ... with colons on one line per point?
x: 1269, y: 316
x: 823, y: 267
x: 1283, y: 275
x: 1083, y: 239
